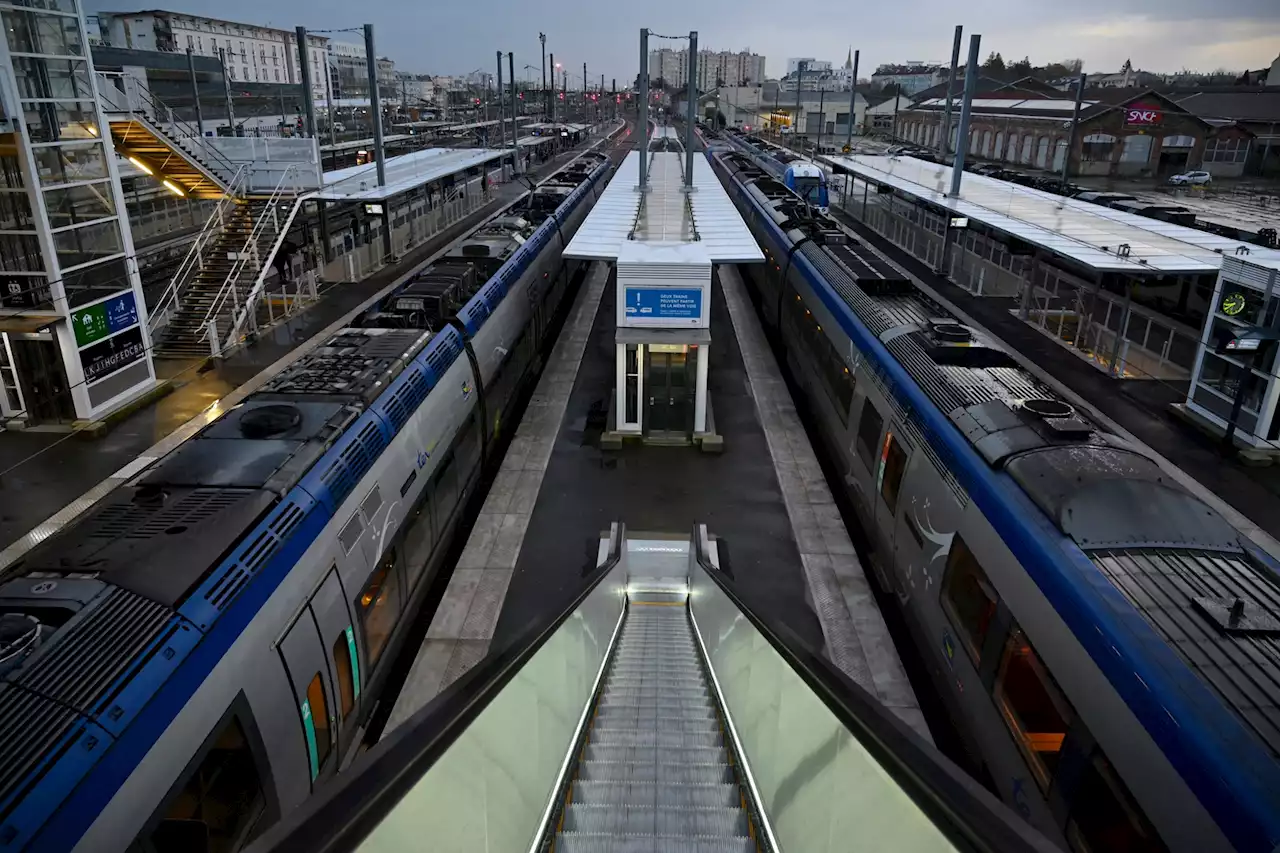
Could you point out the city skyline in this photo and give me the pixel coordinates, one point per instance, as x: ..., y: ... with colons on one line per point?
x: 1161, y: 37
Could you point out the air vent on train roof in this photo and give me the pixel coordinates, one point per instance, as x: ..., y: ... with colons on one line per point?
x: 950, y: 333
x: 1045, y: 408
x: 270, y: 421
x: 1059, y: 417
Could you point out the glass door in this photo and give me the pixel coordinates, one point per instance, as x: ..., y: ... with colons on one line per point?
x: 670, y: 406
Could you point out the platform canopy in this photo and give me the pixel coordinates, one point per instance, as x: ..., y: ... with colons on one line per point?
x: 705, y: 217
x: 1087, y: 233
x: 404, y: 173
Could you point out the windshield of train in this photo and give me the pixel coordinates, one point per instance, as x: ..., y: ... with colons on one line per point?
x: 809, y: 189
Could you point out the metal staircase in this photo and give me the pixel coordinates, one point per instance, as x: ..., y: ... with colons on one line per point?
x: 200, y: 298
x: 148, y: 132
x: 655, y: 774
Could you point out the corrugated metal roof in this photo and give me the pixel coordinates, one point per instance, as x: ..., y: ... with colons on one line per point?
x: 1087, y: 233
x: 706, y: 216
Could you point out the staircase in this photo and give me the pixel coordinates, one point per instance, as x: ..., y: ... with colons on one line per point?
x: 200, y: 299
x: 198, y: 175
x: 654, y: 774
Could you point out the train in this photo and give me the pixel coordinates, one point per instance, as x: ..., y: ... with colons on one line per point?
x: 805, y: 179
x: 1104, y: 642
x: 204, y: 647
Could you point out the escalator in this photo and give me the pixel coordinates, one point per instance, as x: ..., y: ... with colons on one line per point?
x: 658, y: 712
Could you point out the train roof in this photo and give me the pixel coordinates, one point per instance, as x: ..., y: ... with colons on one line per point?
x: 95, y: 620
x: 1205, y: 596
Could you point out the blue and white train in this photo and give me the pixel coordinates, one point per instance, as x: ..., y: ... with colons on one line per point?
x: 203, y: 648
x: 807, y: 180
x: 1107, y: 645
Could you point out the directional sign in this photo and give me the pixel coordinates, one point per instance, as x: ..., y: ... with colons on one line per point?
x: 104, y: 318
x: 106, y: 357
x: 677, y: 303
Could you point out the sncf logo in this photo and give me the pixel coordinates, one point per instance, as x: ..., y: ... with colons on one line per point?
x: 1141, y: 115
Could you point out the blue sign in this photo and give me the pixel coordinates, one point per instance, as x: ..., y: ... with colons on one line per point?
x: 677, y: 303
x: 121, y: 311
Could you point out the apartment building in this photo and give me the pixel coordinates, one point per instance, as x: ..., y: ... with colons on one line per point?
x: 742, y: 68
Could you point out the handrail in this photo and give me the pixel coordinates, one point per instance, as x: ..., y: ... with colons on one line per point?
x: 191, y: 262
x: 970, y: 816
x: 247, y: 252
x: 159, y: 111
x: 342, y: 813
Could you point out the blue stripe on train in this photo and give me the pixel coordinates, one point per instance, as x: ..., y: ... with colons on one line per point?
x: 1189, y: 723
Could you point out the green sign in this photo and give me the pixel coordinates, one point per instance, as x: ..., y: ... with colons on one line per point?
x: 90, y: 324
x: 355, y: 661
x: 309, y: 725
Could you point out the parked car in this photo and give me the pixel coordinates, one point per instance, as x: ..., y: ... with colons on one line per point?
x: 1192, y: 179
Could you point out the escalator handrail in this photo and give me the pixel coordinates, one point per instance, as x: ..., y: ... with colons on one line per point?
x: 342, y: 812
x: 970, y: 816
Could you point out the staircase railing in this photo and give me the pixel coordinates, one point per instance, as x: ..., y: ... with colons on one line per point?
x: 123, y: 93
x: 191, y: 265
x: 243, y: 311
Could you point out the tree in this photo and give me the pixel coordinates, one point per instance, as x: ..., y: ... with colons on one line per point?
x: 994, y: 64
x: 720, y: 120
x: 1021, y: 68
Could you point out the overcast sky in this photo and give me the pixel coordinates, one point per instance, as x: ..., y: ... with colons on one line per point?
x: 457, y: 37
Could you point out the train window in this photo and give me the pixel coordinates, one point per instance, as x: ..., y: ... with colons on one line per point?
x: 968, y: 598
x: 418, y: 539
x: 869, y: 427
x: 445, y: 492
x: 219, y: 806
x: 315, y: 723
x: 1104, y: 816
x: 1033, y: 707
x: 379, y: 607
x: 346, y: 665
x: 893, y: 464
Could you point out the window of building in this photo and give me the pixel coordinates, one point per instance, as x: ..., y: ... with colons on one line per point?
x: 869, y: 426
x: 277, y: 75
x: 191, y: 42
x: 968, y: 598
x: 1226, y: 150
x: 231, y: 71
x: 893, y: 464
x: 346, y: 668
x: 1097, y: 146
x: 315, y: 724
x: 379, y: 607
x: 1104, y: 816
x: 1033, y: 707
x: 219, y: 805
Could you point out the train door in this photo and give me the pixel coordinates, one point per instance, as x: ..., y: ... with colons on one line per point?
x: 338, y: 635
x: 307, y: 664
x: 862, y: 479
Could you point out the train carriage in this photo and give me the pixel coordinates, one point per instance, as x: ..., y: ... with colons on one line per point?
x: 202, y: 649
x: 1072, y: 603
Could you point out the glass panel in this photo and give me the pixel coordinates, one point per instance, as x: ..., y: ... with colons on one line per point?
x: 84, y: 203
x: 68, y: 6
x: 893, y: 464
x: 67, y: 79
x: 219, y: 804
x: 869, y: 433
x: 968, y: 598
x: 319, y: 719
x: 32, y: 32
x: 82, y: 245
x: 824, y: 791
x: 380, y: 607
x: 96, y: 281
x: 15, y: 212
x: 1104, y: 816
x: 342, y: 671
x: 10, y: 167
x: 60, y: 121
x: 1033, y: 707
x: 489, y: 790
x: 21, y: 252
x: 65, y: 164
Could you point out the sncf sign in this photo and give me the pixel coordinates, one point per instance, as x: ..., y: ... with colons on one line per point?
x: 1141, y: 116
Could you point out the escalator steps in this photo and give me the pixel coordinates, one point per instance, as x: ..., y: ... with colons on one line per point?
x: 655, y: 775
x: 579, y: 842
